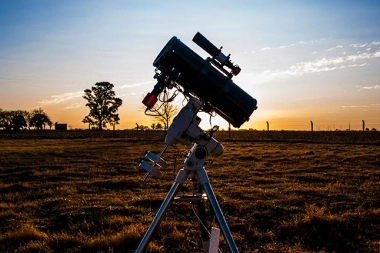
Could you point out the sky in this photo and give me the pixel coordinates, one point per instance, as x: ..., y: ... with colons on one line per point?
x: 302, y: 60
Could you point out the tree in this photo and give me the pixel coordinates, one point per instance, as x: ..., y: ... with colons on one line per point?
x: 103, y: 105
x: 19, y: 119
x: 39, y: 119
x: 5, y: 119
x: 28, y: 118
x: 165, y: 112
x: 13, y: 119
x: 18, y: 122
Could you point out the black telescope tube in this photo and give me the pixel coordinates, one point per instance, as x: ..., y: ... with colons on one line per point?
x: 206, y: 45
x: 200, y: 78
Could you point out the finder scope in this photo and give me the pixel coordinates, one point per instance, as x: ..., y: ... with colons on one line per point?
x: 216, y: 53
x: 206, y: 79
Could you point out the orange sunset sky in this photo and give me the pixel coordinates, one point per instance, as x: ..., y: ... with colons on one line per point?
x: 301, y: 60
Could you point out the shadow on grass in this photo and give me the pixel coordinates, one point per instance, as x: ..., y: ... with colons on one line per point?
x: 332, y: 235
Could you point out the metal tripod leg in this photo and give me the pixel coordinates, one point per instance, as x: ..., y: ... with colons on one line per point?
x: 203, y: 179
x: 180, y: 179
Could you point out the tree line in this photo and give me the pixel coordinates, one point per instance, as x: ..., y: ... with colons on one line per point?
x: 103, y: 110
x: 21, y: 119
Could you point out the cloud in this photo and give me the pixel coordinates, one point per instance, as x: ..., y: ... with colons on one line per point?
x: 367, y: 46
x: 73, y: 106
x: 329, y: 64
x: 293, y: 44
x: 361, y: 106
x: 349, y: 58
x: 57, y: 99
x: 337, y: 47
x: 357, y: 45
x: 363, y: 46
x: 135, y: 84
x: 363, y: 56
x: 266, y: 48
x: 134, y: 94
x: 324, y: 64
x: 374, y: 87
x: 355, y: 106
x: 60, y: 98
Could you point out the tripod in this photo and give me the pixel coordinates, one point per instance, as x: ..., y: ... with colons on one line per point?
x: 194, y: 163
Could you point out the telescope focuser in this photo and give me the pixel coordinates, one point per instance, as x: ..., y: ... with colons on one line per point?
x: 164, y: 80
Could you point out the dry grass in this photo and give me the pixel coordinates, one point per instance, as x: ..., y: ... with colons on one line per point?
x: 85, y: 195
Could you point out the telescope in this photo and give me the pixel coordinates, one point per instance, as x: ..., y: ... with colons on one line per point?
x: 207, y: 84
x: 208, y: 79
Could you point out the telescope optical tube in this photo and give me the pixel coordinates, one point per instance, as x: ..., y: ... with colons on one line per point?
x: 202, y: 79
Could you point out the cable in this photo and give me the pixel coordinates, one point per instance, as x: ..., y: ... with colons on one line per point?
x: 202, y: 224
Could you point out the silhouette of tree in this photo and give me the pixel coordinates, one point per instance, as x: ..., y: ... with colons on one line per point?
x: 103, y: 105
x: 28, y: 118
x: 18, y: 122
x: 5, y: 119
x: 114, y: 121
x: 50, y: 124
x: 39, y: 119
x: 166, y: 111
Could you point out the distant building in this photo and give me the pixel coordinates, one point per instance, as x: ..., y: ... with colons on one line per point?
x: 61, y: 126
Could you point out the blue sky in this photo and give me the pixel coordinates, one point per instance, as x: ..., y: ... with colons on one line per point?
x: 302, y: 60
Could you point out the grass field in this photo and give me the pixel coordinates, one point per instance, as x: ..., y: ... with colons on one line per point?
x: 86, y: 195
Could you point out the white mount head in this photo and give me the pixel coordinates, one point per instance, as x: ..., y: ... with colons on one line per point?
x: 184, y: 129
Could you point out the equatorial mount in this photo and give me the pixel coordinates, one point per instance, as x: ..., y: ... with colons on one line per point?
x: 185, y: 129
